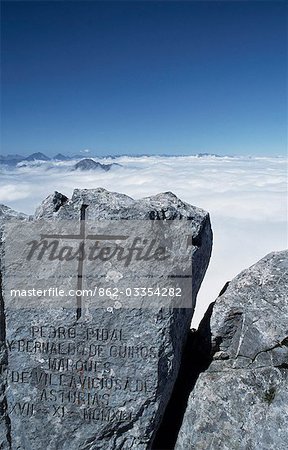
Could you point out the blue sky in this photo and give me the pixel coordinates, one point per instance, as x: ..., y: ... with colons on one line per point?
x: 144, y: 77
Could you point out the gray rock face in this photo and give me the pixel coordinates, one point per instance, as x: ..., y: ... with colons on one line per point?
x: 6, y: 214
x: 88, y: 375
x: 50, y: 206
x: 240, y: 401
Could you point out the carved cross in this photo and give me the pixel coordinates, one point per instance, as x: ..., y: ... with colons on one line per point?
x: 82, y: 237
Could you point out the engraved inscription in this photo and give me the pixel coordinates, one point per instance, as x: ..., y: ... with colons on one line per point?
x: 75, y: 372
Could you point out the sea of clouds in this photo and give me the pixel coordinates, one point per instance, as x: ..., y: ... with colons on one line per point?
x: 246, y: 199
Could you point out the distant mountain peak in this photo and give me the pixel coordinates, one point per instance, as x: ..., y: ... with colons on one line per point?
x: 38, y: 156
x: 90, y: 164
x: 201, y: 155
x: 60, y: 157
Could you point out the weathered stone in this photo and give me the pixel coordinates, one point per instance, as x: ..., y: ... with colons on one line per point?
x: 89, y: 375
x: 50, y: 206
x: 6, y: 214
x: 240, y: 401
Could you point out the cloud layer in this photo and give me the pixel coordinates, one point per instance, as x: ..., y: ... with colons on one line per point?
x: 246, y: 199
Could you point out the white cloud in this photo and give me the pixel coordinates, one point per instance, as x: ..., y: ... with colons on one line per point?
x: 246, y: 199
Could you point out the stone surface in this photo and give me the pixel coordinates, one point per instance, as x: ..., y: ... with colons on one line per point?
x: 97, y: 376
x: 50, y: 206
x: 6, y: 214
x: 240, y: 401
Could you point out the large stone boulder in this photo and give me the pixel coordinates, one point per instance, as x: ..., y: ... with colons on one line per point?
x: 83, y: 375
x: 240, y: 401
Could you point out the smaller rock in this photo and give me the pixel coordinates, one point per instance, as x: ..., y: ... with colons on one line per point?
x: 240, y: 401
